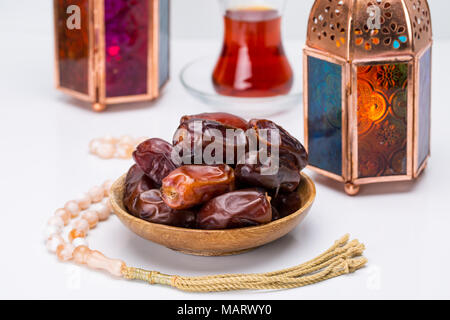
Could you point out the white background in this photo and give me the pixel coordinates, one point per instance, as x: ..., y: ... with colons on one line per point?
x: 195, y: 18
x: 191, y: 18
x: 44, y: 162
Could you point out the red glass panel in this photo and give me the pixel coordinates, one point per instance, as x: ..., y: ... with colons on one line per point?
x: 73, y: 46
x: 126, y: 38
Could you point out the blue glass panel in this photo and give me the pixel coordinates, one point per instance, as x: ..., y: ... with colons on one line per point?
x: 424, y: 106
x: 163, y: 41
x: 325, y: 115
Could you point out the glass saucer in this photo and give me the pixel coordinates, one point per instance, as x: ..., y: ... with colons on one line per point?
x: 196, y: 78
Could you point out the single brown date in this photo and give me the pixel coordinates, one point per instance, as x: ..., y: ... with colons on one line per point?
x: 192, y: 185
x: 286, y: 177
x: 145, y: 202
x: 289, y: 147
x: 152, y: 208
x: 209, y: 142
x: 275, y: 214
x: 221, y: 117
x: 292, y: 158
x: 154, y: 157
x: 287, y: 203
x: 238, y: 209
x: 136, y: 182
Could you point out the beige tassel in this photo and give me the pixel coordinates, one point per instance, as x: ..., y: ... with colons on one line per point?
x: 342, y: 258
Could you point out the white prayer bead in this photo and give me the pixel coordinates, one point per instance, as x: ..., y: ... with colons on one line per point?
x: 79, y: 242
x: 56, y: 221
x: 53, y: 242
x: 83, y: 201
x: 73, y: 208
x: 51, y: 230
x: 96, y: 193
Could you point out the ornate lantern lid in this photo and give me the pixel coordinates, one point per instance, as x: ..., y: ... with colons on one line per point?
x: 364, y: 29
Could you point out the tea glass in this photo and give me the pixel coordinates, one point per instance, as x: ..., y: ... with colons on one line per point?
x: 253, y: 62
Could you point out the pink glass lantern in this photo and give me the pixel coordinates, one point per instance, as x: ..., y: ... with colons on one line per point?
x: 367, y: 90
x: 111, y: 51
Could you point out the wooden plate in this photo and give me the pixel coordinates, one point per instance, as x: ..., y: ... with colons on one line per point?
x: 213, y: 242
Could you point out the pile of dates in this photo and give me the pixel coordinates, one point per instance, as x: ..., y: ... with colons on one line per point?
x: 219, y: 172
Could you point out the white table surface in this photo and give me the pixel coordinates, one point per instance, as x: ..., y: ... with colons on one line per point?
x: 43, y: 141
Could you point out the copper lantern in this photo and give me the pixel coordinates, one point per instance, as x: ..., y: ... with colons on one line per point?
x: 367, y: 90
x: 111, y: 51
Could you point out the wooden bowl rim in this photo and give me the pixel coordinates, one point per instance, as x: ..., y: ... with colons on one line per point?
x: 119, y: 211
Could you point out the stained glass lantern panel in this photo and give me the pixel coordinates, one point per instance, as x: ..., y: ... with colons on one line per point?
x: 382, y: 114
x: 72, y: 47
x: 325, y: 115
x: 424, y: 113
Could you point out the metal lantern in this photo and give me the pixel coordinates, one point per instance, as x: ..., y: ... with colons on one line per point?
x: 111, y: 51
x: 367, y: 85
